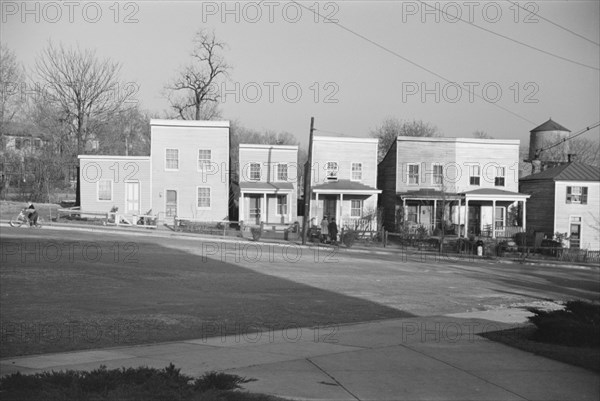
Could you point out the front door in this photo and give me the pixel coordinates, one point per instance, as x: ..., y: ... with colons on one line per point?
x: 254, y: 209
x: 575, y: 233
x: 171, y: 203
x: 132, y: 201
x: 329, y: 207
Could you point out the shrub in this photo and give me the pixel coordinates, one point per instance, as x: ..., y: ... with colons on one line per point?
x: 349, y: 238
x: 576, y: 325
x: 256, y: 233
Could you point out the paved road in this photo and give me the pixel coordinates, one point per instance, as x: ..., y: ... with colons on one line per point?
x: 415, y: 283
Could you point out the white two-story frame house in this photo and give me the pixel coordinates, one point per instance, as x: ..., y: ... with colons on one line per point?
x: 190, y: 169
x: 268, y: 184
x: 462, y: 185
x: 343, y: 181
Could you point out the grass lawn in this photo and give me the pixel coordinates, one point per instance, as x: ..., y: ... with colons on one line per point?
x: 109, y: 293
x: 10, y: 209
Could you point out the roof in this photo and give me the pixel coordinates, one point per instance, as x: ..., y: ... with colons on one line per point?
x: 494, y: 194
x: 486, y: 141
x: 491, y: 191
x: 567, y: 172
x: 550, y: 126
x: 266, y: 186
x: 345, y: 186
x: 321, y: 138
x: 189, y: 123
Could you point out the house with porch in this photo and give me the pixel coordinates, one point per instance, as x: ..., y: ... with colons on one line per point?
x: 268, y: 190
x: 343, y: 181
x: 464, y: 186
x: 566, y: 200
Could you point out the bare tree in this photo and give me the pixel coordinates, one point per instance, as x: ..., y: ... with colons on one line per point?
x: 481, y: 134
x: 392, y: 128
x: 585, y: 150
x: 84, y: 89
x: 12, y: 78
x: 193, y: 93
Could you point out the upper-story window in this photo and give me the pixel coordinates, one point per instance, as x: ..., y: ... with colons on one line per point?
x: 204, y: 159
x: 356, y: 171
x: 475, y: 175
x: 413, y: 174
x: 255, y: 171
x: 577, y: 195
x: 282, y: 172
x: 172, y: 159
x: 331, y: 170
x: 500, y: 177
x: 438, y: 174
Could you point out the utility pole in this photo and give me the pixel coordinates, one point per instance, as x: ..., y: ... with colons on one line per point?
x: 307, y: 179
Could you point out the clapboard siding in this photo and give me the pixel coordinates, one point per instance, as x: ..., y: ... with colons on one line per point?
x: 589, y: 212
x: 189, y: 137
x: 540, y: 206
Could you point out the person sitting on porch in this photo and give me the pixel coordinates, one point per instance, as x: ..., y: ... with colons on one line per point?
x: 324, y: 229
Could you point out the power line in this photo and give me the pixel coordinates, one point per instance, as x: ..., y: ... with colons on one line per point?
x: 583, y: 131
x: 553, y: 23
x: 457, y: 18
x: 410, y: 61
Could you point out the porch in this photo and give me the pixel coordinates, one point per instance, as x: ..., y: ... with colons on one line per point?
x: 264, y: 202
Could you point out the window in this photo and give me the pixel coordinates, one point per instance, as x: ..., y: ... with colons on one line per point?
x: 18, y: 143
x: 255, y: 171
x: 204, y: 157
x: 203, y: 197
x: 499, y: 223
x: 356, y: 171
x: 171, y: 203
x: 499, y: 180
x: 413, y: 174
x: 356, y: 208
x: 331, y: 170
x: 282, y: 204
x: 104, y: 190
x: 475, y: 173
x: 172, y: 159
x: 412, y: 214
x: 438, y: 174
x: 577, y: 195
x: 282, y: 172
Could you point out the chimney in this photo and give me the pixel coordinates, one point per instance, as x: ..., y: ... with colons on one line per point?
x: 536, y: 166
x: 571, y: 157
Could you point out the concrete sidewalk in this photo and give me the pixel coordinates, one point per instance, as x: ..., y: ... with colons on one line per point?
x: 433, y: 358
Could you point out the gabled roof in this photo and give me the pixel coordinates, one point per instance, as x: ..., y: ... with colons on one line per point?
x: 266, y: 186
x: 550, y: 126
x: 341, y: 186
x: 567, y: 172
x: 491, y: 191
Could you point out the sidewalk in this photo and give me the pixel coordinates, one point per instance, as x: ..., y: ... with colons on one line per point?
x: 439, y: 358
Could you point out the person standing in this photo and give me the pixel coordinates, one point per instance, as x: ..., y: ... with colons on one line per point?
x: 333, y: 230
x: 32, y: 214
x: 324, y: 229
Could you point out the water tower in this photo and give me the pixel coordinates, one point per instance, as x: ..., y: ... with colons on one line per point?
x: 547, y: 134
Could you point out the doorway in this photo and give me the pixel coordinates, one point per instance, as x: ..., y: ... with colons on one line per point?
x: 329, y: 207
x: 254, y: 209
x: 132, y: 200
x: 575, y: 233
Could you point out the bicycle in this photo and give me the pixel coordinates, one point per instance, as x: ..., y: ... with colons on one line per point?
x: 23, y: 219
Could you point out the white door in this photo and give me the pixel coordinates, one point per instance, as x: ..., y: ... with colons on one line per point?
x: 132, y: 201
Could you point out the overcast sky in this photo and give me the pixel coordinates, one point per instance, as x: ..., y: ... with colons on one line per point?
x: 289, y: 64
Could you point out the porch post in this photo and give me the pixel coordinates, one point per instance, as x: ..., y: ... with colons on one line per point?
x: 317, y: 209
x: 289, y: 207
x: 339, y: 219
x: 264, y: 210
x: 434, y: 215
x: 524, y: 215
x: 494, y: 218
x: 241, y: 207
x: 466, y: 218
x: 459, y: 212
x: 404, y: 211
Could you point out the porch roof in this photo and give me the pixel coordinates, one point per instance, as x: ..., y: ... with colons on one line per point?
x: 345, y: 187
x: 494, y: 194
x: 266, y: 187
x: 429, y: 194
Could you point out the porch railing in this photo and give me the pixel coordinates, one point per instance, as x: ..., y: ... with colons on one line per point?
x: 359, y: 224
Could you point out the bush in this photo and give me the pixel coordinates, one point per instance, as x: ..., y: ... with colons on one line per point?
x: 349, y: 238
x: 126, y: 383
x: 256, y: 233
x: 577, y: 325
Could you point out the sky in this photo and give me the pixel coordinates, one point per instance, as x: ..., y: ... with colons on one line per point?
x: 353, y: 64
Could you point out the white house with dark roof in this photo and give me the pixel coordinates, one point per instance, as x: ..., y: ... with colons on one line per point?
x: 565, y: 199
x: 268, y: 190
x: 468, y: 184
x: 344, y: 181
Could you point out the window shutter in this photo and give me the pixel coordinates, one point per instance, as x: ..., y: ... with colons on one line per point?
x: 584, y: 195
x: 568, y: 194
